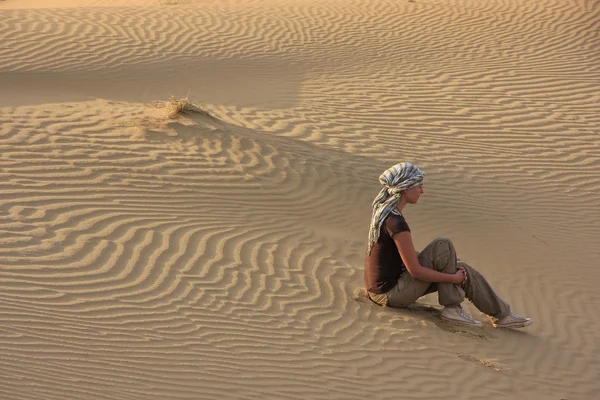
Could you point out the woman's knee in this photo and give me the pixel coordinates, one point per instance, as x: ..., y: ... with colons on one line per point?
x: 444, y: 244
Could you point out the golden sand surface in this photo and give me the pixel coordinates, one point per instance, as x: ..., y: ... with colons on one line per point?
x: 219, y: 255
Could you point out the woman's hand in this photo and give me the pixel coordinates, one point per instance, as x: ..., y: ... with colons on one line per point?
x: 460, y: 276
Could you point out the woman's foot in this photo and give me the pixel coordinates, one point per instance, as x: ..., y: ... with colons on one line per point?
x: 457, y: 314
x: 513, y: 320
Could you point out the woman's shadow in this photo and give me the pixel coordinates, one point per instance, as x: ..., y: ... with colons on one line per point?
x: 429, y: 314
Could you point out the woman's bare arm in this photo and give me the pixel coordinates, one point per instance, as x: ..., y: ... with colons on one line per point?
x: 408, y: 253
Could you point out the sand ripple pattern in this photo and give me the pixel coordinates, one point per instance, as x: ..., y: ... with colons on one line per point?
x: 133, y: 262
x: 222, y: 257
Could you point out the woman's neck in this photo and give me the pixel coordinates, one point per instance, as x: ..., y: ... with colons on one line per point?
x: 400, y: 206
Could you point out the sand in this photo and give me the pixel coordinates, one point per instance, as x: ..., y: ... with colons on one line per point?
x: 220, y: 255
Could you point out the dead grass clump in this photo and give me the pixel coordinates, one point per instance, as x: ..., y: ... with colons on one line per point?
x: 180, y: 105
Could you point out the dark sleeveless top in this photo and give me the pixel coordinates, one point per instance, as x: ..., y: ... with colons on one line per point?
x: 384, y: 265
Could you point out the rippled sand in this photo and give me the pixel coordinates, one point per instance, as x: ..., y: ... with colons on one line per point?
x: 221, y: 256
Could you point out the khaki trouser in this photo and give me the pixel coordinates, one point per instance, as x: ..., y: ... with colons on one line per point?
x: 440, y: 255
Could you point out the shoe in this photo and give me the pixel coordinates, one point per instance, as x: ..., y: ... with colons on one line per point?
x: 513, y: 320
x: 457, y: 314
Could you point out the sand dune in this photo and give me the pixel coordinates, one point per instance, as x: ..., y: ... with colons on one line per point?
x: 222, y: 255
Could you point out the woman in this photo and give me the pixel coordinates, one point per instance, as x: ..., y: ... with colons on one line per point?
x: 396, y: 275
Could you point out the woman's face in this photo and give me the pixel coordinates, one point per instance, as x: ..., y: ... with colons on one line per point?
x: 412, y: 195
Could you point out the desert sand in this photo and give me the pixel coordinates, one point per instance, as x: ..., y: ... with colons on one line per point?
x: 219, y: 255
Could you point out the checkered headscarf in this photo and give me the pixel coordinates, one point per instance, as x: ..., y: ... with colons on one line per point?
x: 395, y: 179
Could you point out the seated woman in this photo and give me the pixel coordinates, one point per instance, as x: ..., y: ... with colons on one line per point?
x: 396, y: 275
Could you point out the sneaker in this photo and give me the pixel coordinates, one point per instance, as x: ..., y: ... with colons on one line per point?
x: 513, y: 320
x: 457, y: 314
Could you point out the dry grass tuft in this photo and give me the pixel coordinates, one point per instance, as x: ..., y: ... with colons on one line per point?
x: 180, y: 105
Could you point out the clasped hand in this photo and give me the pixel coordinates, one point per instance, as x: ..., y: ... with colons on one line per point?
x: 460, y: 276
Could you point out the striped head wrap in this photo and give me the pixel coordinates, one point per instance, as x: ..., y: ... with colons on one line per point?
x: 395, y: 179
